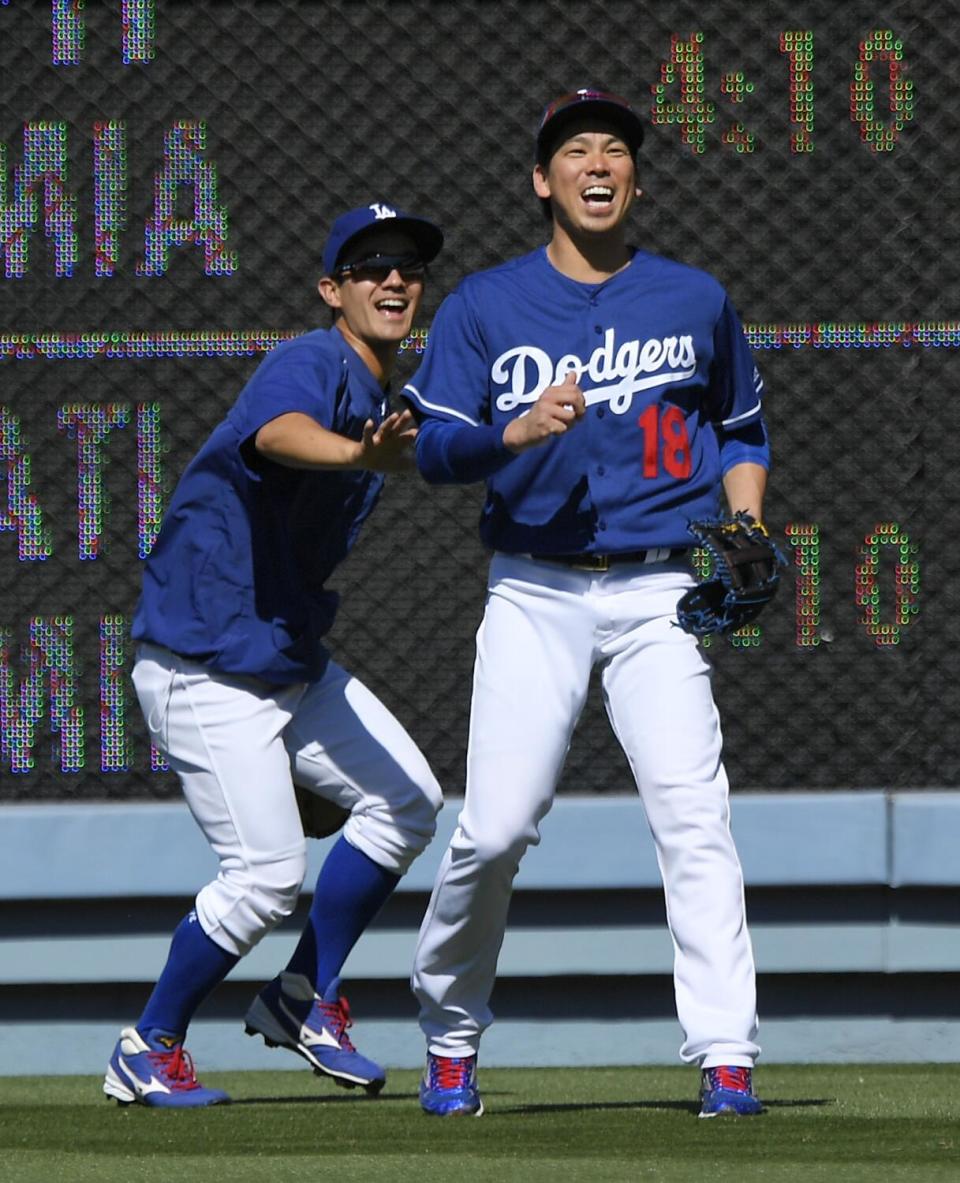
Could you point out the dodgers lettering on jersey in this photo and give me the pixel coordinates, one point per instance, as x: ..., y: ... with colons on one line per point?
x: 620, y: 371
x: 668, y: 380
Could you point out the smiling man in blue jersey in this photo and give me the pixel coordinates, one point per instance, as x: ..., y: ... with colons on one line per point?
x: 608, y: 397
x: 241, y: 695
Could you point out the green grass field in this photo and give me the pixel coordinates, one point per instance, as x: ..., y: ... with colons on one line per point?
x: 840, y: 1123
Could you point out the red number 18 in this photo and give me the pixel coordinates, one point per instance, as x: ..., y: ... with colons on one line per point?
x: 671, y: 428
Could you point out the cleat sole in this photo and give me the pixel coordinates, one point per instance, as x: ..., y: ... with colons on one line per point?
x: 459, y: 1112
x: 727, y: 1113
x: 731, y: 1111
x: 114, y: 1089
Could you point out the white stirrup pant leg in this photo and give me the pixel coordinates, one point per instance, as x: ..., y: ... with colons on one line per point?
x: 346, y: 746
x: 659, y: 700
x: 223, y: 736
x: 530, y: 681
x: 544, y: 627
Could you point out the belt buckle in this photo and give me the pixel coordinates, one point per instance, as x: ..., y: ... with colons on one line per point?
x: 593, y: 563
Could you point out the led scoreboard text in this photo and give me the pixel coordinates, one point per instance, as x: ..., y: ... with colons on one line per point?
x: 42, y: 679
x: 882, y: 97
x: 882, y: 103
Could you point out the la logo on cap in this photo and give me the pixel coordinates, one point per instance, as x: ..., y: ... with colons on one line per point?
x: 382, y: 211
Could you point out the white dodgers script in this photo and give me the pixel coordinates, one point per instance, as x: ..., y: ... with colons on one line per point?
x: 618, y: 373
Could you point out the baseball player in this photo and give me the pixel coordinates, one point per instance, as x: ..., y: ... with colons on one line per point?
x: 243, y: 699
x: 605, y: 394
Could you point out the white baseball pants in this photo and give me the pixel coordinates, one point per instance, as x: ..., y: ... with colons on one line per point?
x: 546, y: 626
x: 238, y: 744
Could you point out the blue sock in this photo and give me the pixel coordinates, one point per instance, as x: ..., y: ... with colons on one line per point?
x: 351, y: 889
x: 194, y: 966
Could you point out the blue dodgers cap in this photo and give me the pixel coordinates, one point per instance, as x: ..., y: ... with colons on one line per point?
x: 586, y: 101
x: 428, y: 238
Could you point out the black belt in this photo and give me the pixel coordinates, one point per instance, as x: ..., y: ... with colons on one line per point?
x: 592, y: 562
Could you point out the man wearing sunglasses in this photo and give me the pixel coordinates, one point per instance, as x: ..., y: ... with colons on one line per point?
x: 605, y: 395
x: 242, y: 698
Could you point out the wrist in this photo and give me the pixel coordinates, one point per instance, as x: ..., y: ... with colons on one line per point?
x: 512, y: 437
x: 355, y: 455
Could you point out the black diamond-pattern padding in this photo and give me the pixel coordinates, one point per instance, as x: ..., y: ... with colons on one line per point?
x: 313, y: 107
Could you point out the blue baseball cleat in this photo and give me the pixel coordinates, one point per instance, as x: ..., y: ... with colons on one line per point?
x: 727, y: 1089
x: 289, y: 1013
x: 156, y: 1071
x: 449, y: 1087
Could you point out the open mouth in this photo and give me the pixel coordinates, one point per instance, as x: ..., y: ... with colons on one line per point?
x: 391, y: 307
x: 598, y: 196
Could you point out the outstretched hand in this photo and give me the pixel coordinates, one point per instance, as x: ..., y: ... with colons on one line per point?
x: 389, y: 447
x: 555, y: 412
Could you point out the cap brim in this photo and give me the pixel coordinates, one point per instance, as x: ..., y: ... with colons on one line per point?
x: 427, y: 237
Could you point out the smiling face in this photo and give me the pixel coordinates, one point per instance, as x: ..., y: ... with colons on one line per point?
x: 590, y: 179
x: 375, y: 303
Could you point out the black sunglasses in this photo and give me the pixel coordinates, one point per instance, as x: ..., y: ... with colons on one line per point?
x: 378, y: 267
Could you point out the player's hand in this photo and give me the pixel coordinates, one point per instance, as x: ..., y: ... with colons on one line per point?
x: 554, y: 413
x: 389, y: 447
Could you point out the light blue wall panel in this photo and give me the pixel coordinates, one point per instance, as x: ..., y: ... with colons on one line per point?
x: 786, y: 840
x: 62, y: 851
x: 925, y: 839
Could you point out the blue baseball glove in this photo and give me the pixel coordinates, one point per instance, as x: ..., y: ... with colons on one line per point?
x: 746, y: 565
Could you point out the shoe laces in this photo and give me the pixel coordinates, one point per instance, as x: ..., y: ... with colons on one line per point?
x: 733, y: 1079
x: 176, y: 1068
x: 336, y: 1016
x: 451, y: 1072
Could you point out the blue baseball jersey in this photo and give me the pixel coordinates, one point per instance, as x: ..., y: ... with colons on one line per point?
x: 673, y: 401
x: 236, y: 578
